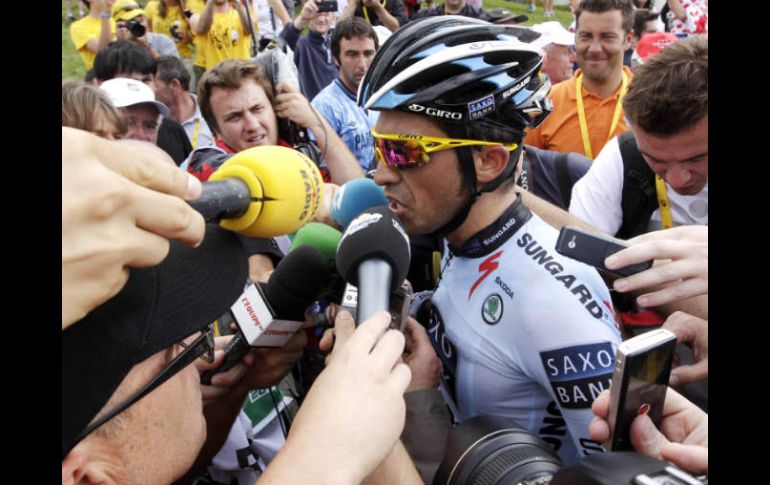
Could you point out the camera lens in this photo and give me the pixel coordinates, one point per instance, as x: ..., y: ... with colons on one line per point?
x: 490, y: 451
x: 136, y: 29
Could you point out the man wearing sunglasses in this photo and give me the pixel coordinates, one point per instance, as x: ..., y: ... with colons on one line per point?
x: 523, y: 332
x: 131, y: 401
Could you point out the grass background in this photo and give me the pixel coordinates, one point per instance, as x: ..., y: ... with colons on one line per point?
x: 72, y: 65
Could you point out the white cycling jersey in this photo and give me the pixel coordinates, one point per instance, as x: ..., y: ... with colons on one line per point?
x: 524, y: 332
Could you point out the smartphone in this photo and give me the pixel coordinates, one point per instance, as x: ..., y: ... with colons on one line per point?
x: 327, y: 6
x: 639, y: 383
x: 592, y: 249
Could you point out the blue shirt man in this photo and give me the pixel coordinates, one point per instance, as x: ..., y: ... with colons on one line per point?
x: 353, y: 46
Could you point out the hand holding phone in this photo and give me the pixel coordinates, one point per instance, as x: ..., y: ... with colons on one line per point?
x: 327, y: 5
x: 639, y: 383
x: 593, y: 249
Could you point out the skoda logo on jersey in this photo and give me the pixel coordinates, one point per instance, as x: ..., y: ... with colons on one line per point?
x: 492, y: 309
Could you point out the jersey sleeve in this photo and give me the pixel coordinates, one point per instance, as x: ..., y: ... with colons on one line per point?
x: 596, y: 197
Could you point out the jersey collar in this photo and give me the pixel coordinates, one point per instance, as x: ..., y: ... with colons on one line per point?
x: 496, y: 234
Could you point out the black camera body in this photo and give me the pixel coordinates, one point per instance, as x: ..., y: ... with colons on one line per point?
x: 497, y: 451
x: 136, y: 28
x: 175, y: 31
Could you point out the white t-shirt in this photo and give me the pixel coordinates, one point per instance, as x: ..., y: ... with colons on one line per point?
x: 596, y: 198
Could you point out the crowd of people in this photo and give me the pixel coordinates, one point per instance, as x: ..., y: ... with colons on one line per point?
x: 484, y: 136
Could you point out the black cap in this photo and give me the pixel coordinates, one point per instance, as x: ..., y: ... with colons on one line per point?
x: 158, y: 307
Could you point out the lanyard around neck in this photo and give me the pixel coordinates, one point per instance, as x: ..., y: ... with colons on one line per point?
x: 582, y: 113
x: 196, y: 133
x: 663, y: 204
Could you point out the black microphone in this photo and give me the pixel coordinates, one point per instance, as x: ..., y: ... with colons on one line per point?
x: 374, y: 256
x: 268, y: 314
x: 222, y: 199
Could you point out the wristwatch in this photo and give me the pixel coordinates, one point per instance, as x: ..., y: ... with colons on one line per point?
x: 105, y: 15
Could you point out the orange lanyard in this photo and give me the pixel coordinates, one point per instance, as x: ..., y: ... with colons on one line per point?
x: 582, y: 113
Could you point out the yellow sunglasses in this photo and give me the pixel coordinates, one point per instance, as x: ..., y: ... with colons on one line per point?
x: 403, y: 151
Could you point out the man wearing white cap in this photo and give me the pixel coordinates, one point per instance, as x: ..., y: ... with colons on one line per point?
x: 558, y: 45
x: 137, y: 102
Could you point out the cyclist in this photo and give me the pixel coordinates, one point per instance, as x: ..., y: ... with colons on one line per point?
x: 524, y: 333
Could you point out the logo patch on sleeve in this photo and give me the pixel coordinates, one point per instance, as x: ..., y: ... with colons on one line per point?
x: 578, y: 374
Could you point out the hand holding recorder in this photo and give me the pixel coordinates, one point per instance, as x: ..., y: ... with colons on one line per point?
x: 682, y: 263
x: 639, y: 382
x: 594, y: 249
x: 681, y: 437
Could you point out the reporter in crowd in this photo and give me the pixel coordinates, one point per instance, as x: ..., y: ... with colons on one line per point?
x: 120, y: 425
x: 242, y: 109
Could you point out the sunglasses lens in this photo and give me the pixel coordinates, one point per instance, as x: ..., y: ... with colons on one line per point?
x: 400, y: 154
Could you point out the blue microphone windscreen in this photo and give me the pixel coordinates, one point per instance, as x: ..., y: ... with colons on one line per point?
x: 355, y: 196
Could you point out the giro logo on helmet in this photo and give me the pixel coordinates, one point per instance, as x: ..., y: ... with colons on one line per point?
x: 438, y: 113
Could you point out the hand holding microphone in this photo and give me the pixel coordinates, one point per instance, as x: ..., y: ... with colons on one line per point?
x: 264, y: 191
x: 147, y: 209
x: 269, y: 316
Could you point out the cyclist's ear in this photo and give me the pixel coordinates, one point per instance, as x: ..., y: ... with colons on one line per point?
x: 490, y: 162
